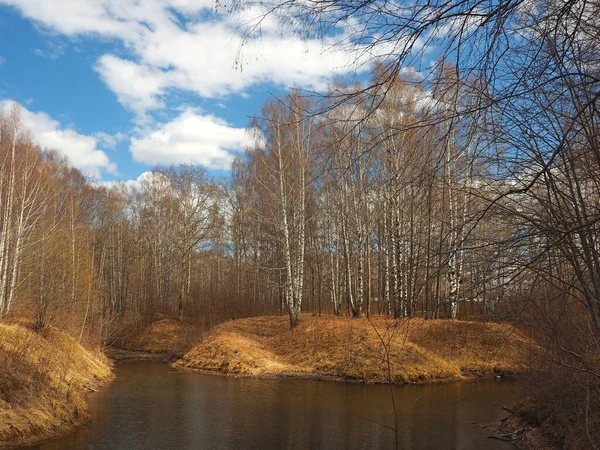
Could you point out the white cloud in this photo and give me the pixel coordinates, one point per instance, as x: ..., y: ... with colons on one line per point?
x: 198, y: 56
x: 191, y: 6
x: 191, y: 138
x: 127, y: 185
x: 72, y: 17
x: 202, y: 59
x: 165, y: 54
x: 109, y: 141
x: 137, y: 87
x: 81, y: 150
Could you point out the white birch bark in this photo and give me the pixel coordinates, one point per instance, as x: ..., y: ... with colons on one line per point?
x: 7, y: 231
x: 31, y: 209
x: 386, y: 258
x: 289, y: 285
x: 301, y: 144
x: 452, y: 260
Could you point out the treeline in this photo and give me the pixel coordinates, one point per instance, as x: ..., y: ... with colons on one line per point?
x: 413, y: 207
x: 359, y: 211
x: 46, y: 209
x: 102, y: 260
x: 326, y: 214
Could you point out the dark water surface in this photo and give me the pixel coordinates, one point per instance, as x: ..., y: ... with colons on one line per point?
x: 152, y: 406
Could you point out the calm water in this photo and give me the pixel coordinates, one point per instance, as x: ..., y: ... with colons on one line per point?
x: 151, y: 406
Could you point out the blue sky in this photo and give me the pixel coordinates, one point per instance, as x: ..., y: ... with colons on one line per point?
x: 121, y: 86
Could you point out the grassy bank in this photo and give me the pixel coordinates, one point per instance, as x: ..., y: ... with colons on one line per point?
x: 44, y: 379
x: 166, y: 336
x: 340, y: 348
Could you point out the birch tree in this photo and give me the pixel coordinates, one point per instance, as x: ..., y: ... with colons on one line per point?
x: 287, y: 140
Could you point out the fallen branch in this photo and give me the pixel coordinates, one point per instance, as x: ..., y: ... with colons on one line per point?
x: 510, y: 437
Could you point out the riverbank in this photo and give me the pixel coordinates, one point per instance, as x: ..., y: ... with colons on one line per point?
x: 166, y: 338
x: 44, y: 379
x: 560, y: 411
x: 357, y: 350
x: 523, y: 435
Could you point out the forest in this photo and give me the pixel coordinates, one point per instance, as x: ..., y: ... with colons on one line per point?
x: 471, y: 193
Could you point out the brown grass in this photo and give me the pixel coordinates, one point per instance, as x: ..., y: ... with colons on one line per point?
x: 43, y: 383
x: 332, y: 347
x: 166, y: 336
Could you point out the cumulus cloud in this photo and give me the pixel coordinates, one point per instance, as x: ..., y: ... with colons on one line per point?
x: 126, y: 185
x: 196, y: 54
x: 202, y: 59
x: 168, y: 47
x: 72, y: 17
x: 81, y: 150
x: 191, y: 138
x: 137, y: 87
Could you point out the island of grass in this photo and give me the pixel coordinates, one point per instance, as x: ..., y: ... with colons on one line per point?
x: 377, y: 350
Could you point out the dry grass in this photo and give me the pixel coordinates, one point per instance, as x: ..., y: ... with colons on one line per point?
x: 43, y: 383
x: 331, y: 347
x: 166, y: 336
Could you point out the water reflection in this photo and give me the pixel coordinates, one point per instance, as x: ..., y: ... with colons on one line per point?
x: 151, y: 406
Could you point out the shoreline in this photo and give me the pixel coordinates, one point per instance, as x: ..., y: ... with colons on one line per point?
x: 48, y: 376
x: 114, y: 355
x: 521, y: 434
x: 351, y: 350
x: 34, y: 440
x: 119, y: 354
x: 466, y: 377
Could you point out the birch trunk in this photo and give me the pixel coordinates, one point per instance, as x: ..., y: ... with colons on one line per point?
x: 7, y: 220
x: 289, y: 285
x: 452, y: 262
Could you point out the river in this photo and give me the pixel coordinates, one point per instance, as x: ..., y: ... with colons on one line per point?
x: 152, y: 406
